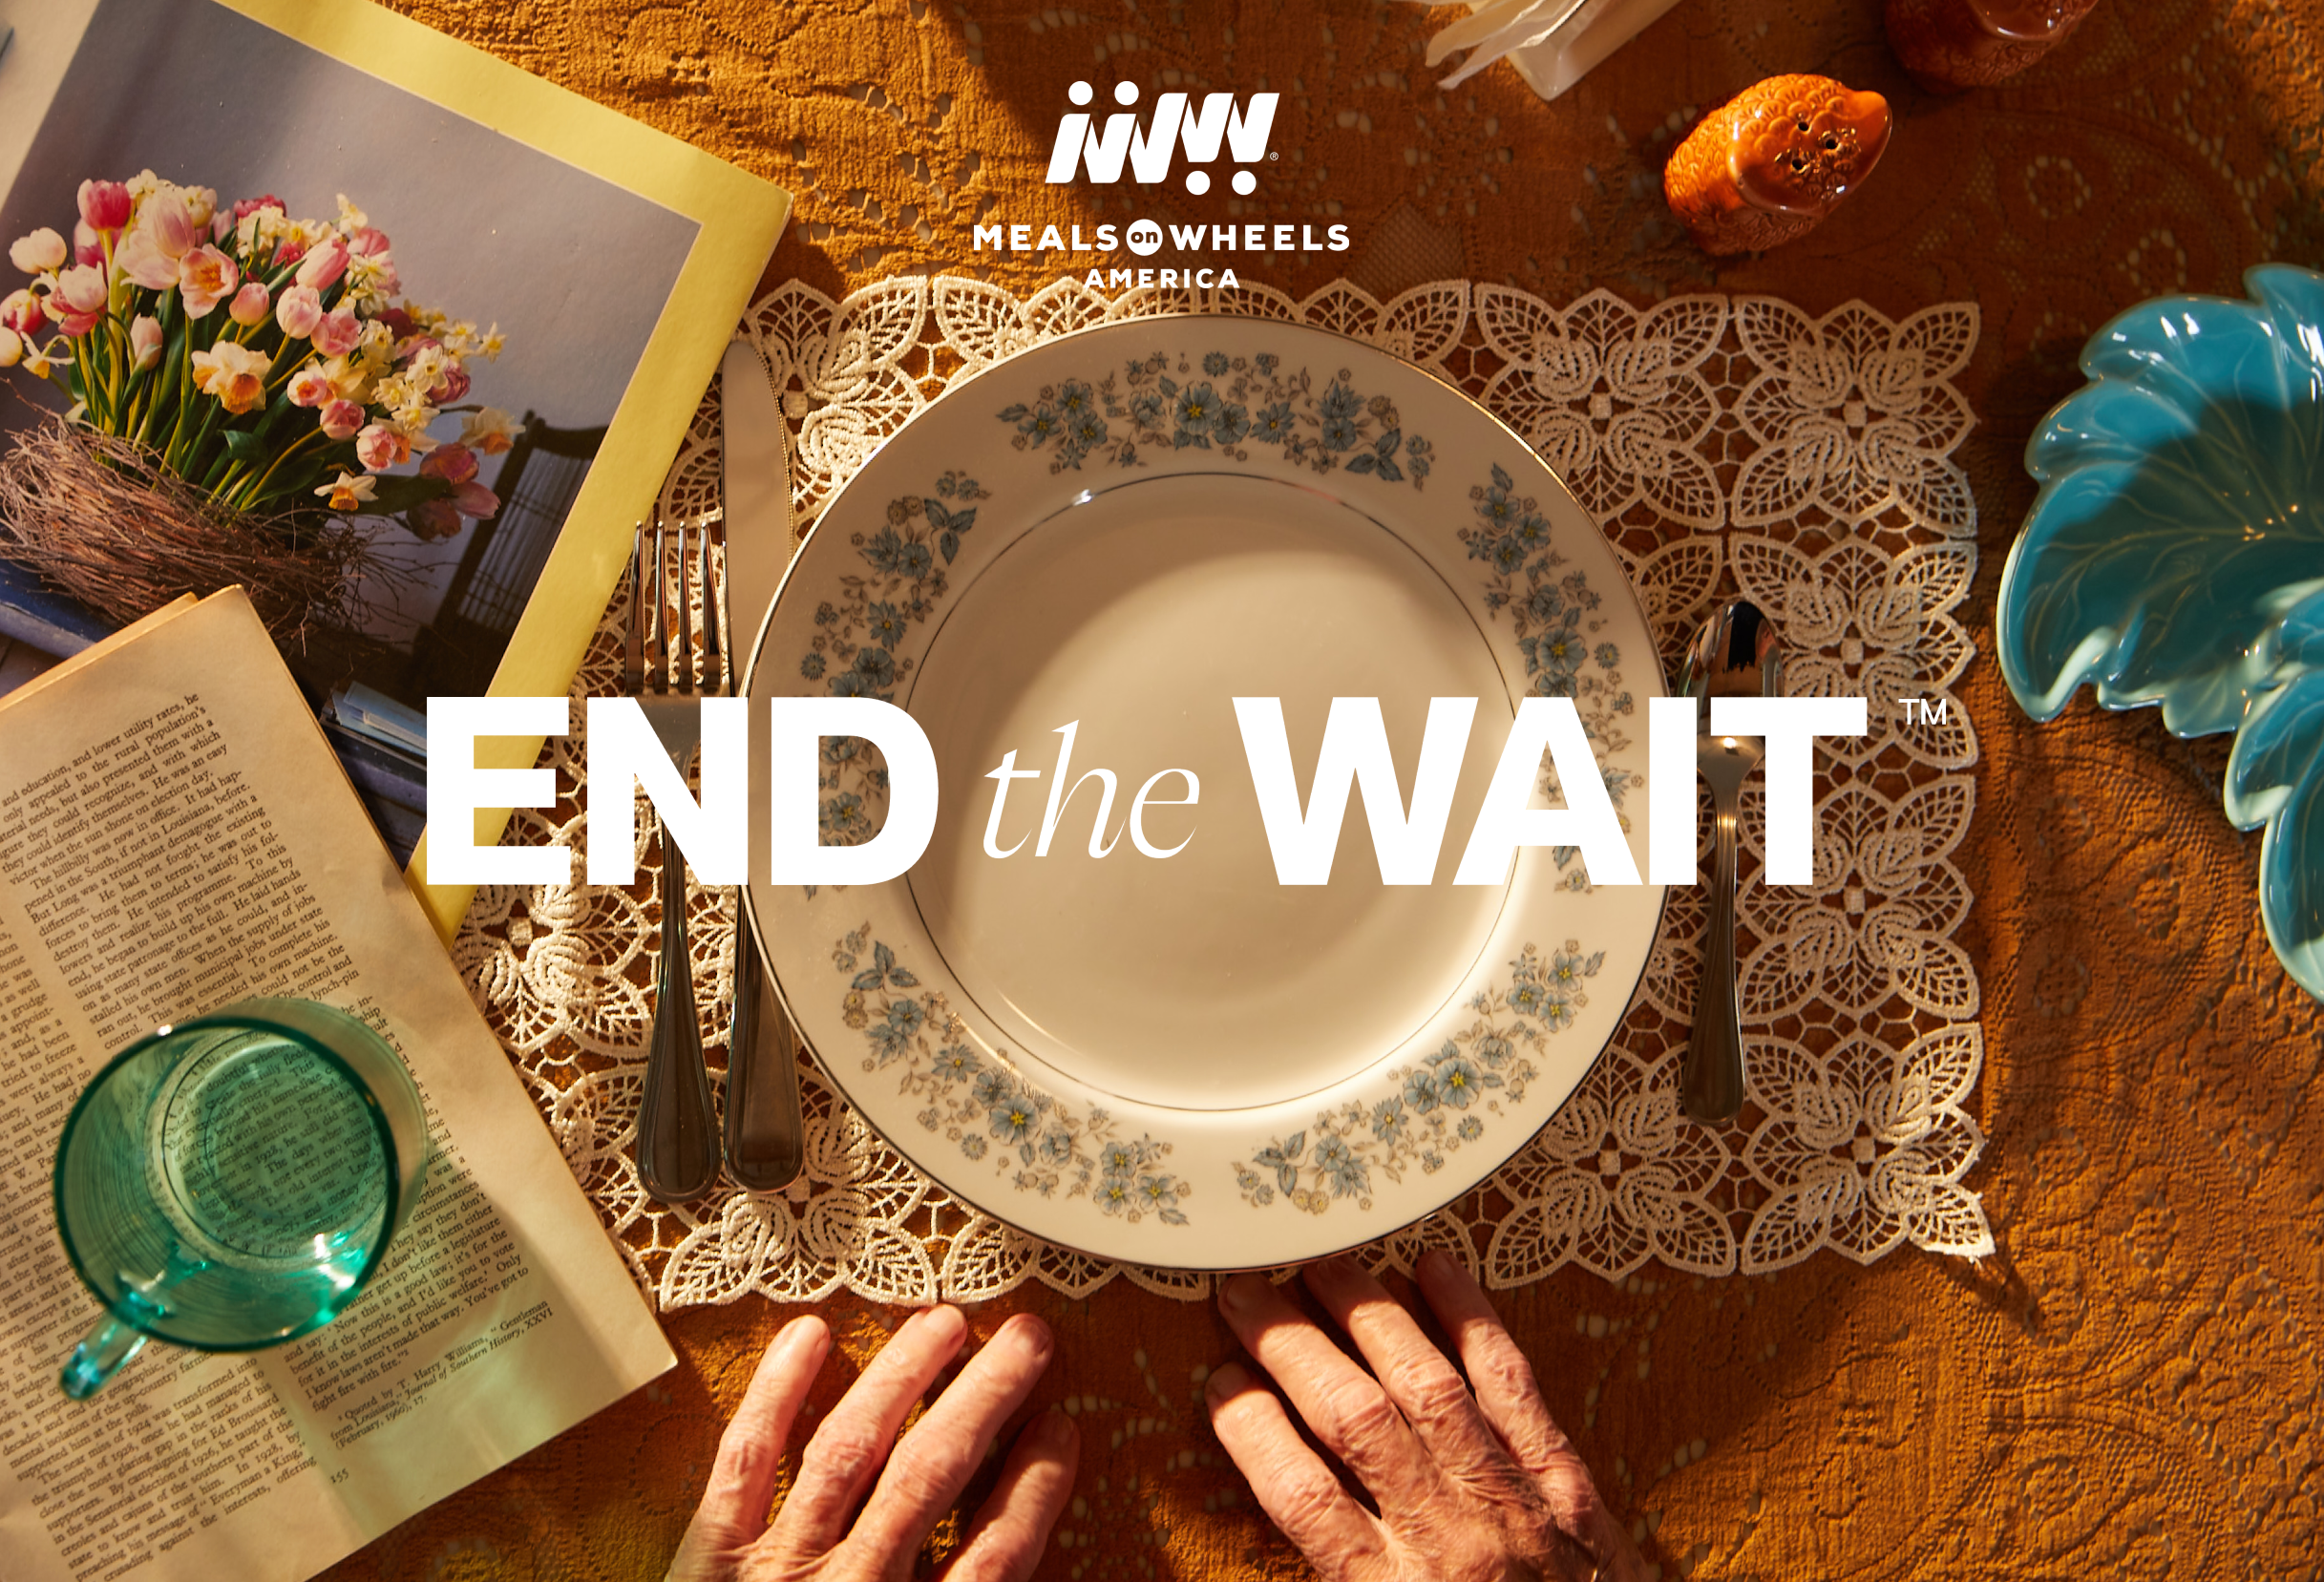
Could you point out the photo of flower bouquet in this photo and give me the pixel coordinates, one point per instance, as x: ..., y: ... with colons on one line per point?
x: 268, y: 362
x: 310, y: 300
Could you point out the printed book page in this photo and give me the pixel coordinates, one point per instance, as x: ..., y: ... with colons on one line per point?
x: 175, y: 835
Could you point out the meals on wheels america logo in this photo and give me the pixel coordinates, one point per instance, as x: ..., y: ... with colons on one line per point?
x: 1098, y: 151
x: 1244, y: 131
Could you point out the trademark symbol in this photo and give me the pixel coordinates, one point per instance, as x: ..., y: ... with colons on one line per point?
x: 1926, y: 710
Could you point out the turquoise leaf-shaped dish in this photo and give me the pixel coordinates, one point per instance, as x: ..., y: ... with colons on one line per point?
x: 2175, y: 555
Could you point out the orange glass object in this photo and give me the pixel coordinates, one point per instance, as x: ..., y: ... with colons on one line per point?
x: 1766, y: 167
x: 1948, y: 45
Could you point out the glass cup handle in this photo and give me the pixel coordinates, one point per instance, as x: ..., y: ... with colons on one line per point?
x: 108, y: 1343
x: 113, y: 1340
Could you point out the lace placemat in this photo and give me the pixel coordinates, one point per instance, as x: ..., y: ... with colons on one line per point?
x: 1725, y: 444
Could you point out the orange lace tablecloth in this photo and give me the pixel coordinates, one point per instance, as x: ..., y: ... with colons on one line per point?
x: 2127, y: 1386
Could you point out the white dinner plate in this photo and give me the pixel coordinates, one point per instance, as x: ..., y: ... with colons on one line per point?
x: 1174, y: 1059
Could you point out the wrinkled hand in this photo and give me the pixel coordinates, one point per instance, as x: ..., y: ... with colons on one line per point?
x: 819, y: 1531
x: 1468, y: 1487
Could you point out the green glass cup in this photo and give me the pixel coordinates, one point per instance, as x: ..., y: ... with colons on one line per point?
x: 232, y: 1182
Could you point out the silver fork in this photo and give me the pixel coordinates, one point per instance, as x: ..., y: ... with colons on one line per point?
x: 677, y: 1127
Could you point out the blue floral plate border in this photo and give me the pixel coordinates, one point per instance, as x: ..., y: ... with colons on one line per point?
x: 1413, y: 1127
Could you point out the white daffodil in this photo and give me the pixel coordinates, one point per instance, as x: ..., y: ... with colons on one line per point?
x: 349, y: 490
x: 490, y: 431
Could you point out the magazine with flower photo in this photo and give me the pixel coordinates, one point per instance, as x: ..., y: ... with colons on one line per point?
x: 307, y: 297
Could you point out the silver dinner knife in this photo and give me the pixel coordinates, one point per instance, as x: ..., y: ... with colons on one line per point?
x: 756, y: 447
x: 765, y: 1139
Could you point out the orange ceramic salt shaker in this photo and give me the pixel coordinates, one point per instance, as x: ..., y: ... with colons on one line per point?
x: 1948, y: 45
x: 1766, y: 167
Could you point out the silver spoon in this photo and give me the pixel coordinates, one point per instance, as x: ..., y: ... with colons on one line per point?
x: 1736, y: 655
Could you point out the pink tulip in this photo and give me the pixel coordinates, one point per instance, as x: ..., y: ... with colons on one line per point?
x: 452, y: 386
x: 288, y: 251
x: 341, y: 418
x: 380, y: 447
x: 297, y: 310
x: 42, y: 250
x: 454, y: 464
x: 475, y: 501
x: 250, y: 305
x: 104, y: 206
x: 145, y: 341
x: 337, y: 331
x: 324, y: 265
x: 88, y: 248
x: 139, y: 257
x: 170, y: 222
x: 78, y: 301
x: 206, y: 278
x: 438, y: 519
x: 20, y: 312
x: 311, y: 386
x: 370, y: 242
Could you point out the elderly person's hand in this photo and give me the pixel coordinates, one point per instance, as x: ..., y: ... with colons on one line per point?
x: 1466, y: 1486
x: 819, y: 1532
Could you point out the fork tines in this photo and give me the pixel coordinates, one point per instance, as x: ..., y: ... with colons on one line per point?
x: 662, y: 655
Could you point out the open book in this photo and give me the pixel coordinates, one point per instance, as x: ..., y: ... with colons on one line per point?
x: 175, y: 835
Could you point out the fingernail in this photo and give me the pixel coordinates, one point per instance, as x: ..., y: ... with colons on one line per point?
x: 1053, y: 1430
x: 1034, y: 1335
x: 1239, y: 1292
x: 804, y: 1337
x: 1228, y: 1378
x: 943, y: 1321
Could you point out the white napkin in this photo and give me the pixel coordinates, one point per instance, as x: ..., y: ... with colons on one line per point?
x: 1553, y: 43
